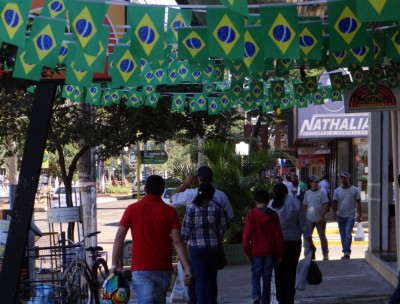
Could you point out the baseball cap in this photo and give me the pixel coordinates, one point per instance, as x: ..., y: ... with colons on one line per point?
x: 205, y: 173
x: 314, y: 179
x: 346, y: 175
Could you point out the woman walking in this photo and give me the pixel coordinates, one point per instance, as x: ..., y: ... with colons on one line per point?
x: 203, y: 228
x: 293, y: 224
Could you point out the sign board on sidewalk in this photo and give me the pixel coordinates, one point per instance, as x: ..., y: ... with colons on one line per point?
x: 153, y: 157
x: 64, y: 215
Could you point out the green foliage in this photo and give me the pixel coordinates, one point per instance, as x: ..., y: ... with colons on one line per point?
x: 238, y: 176
x: 119, y: 189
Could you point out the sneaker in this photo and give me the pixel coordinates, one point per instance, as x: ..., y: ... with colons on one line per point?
x: 326, y: 257
x: 345, y: 256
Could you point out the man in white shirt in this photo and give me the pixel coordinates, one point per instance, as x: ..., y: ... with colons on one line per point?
x: 289, y: 185
x: 185, y: 195
x: 316, y: 202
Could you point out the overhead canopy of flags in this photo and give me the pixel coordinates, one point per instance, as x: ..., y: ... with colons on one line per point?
x: 229, y: 55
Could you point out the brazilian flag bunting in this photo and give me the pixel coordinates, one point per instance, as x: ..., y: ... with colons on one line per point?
x: 177, y: 19
x: 54, y: 9
x: 377, y: 10
x: 238, y: 6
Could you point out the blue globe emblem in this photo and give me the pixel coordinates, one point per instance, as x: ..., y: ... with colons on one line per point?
x: 69, y: 88
x: 142, y: 62
x: 218, y: 72
x: 114, y: 95
x: 285, y: 100
x: 153, y: 99
x: 397, y: 39
x: 256, y: 91
x: 360, y: 51
x: 146, y: 34
x: 44, y: 42
x: 340, y: 54
x: 302, y: 100
x: 196, y: 73
x: 286, y: 61
x: 149, y: 75
x: 149, y: 89
x: 306, y: 41
x: 63, y: 51
x: 124, y: 99
x: 318, y: 97
x: 358, y: 76
x: 248, y: 99
x: 224, y: 100
x: 337, y: 81
x: 281, y: 33
x: 183, y: 71
x: 335, y: 94
x: 11, y: 18
x: 392, y: 79
x: 249, y: 49
x: 77, y: 92
x: 178, y: 24
x: 193, y: 43
x: 56, y: 6
x: 133, y: 99
x: 237, y: 89
x: 201, y: 101
x: 83, y: 27
x: 107, y: 97
x: 347, y: 25
x: 192, y: 104
x: 178, y: 101
x: 300, y: 90
x: 209, y: 70
x: 278, y: 89
x: 160, y: 73
x: 209, y: 87
x: 93, y: 90
x: 310, y: 85
x: 376, y: 49
x: 226, y: 34
x: 172, y: 75
x: 126, y: 66
x: 213, y: 106
x: 267, y: 104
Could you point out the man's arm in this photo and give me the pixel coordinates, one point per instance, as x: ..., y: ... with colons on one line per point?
x: 334, y: 209
x: 178, y: 198
x: 359, y: 210
x: 117, y: 247
x: 182, y: 255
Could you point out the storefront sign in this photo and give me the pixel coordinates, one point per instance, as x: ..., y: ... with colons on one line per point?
x: 64, y: 215
x: 371, y: 97
x: 303, y: 162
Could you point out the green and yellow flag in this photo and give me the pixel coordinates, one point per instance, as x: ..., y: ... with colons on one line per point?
x: 78, y: 77
x: 338, y: 59
x: 225, y: 34
x: 178, y: 102
x: 257, y: 90
x: 86, y: 20
x: 26, y: 70
x: 183, y: 71
x: 337, y: 81
x: 54, y: 9
x: 95, y: 63
x: 281, y: 34
x: 299, y: 90
x: 317, y: 98
x: 67, y: 91
x: 238, y: 6
x: 310, y: 39
x: 285, y: 103
x: 357, y: 73
x: 311, y: 84
x: 214, y: 105
x: 177, y: 19
x: 135, y: 99
x: 248, y: 103
x: 115, y: 96
x: 393, y: 43
x: 267, y: 105
x: 377, y: 10
x: 148, y: 31
x: 225, y: 102
x: 152, y: 100
x: 126, y: 68
x: 277, y: 90
x: 13, y: 20
x: 336, y: 95
x: 45, y: 41
x: 93, y: 94
x: 345, y: 29
x: 193, y: 44
x: 302, y: 102
x: 378, y: 44
x: 198, y: 103
x: 253, y: 53
x: 66, y: 53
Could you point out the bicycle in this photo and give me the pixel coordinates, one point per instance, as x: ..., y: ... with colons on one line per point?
x: 83, y: 282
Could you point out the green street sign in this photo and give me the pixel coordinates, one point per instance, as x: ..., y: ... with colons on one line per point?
x: 153, y: 157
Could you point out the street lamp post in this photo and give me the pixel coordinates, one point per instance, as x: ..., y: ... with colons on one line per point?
x: 123, y: 164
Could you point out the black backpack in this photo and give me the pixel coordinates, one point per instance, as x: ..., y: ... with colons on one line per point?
x: 314, y: 275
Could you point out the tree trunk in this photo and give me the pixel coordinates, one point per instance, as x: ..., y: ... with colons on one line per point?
x: 12, y: 162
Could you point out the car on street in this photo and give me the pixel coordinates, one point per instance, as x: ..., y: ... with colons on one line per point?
x: 58, y: 199
x: 134, y: 188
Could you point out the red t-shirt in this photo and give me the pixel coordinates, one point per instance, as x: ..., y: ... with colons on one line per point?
x: 151, y: 222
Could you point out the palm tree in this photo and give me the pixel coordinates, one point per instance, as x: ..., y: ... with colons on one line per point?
x: 238, y: 176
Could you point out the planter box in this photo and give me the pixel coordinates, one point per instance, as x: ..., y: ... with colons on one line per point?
x: 235, y: 255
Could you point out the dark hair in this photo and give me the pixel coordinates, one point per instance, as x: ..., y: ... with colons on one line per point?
x: 261, y: 196
x: 280, y: 193
x: 205, y: 174
x: 155, y: 185
x: 205, y: 193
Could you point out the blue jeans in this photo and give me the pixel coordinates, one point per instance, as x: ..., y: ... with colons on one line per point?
x: 346, y: 225
x: 261, y: 267
x: 151, y: 286
x: 205, y: 268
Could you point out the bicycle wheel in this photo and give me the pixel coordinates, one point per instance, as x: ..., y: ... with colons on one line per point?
x: 100, y: 273
x: 86, y: 290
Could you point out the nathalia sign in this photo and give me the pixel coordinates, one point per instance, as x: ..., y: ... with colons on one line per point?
x: 371, y: 97
x: 334, y: 125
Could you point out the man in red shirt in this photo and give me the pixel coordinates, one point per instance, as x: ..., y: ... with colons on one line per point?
x: 154, y: 228
x: 263, y: 244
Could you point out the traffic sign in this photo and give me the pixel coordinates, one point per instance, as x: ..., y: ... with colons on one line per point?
x: 153, y: 157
